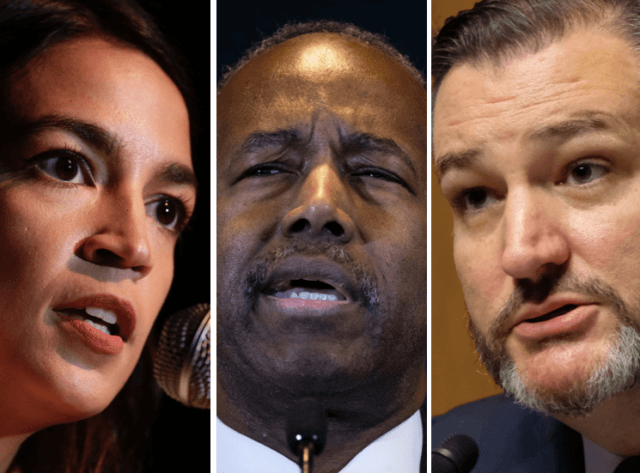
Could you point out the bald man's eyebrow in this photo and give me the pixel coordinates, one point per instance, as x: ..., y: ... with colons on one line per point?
x: 365, y: 142
x: 455, y: 160
x: 279, y: 139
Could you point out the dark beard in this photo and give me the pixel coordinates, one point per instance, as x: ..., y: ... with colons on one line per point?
x: 619, y: 372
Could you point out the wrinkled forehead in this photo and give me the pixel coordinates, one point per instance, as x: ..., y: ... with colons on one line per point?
x: 291, y: 83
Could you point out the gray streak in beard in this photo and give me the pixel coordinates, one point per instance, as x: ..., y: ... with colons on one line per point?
x: 259, y: 273
x: 620, y: 372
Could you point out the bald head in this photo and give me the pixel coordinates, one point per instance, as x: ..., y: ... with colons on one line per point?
x: 293, y: 81
x: 321, y: 224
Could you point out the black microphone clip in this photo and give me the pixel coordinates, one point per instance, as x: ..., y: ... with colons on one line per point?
x: 306, y: 427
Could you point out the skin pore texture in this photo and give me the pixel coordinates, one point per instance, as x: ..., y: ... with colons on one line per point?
x: 96, y: 162
x: 537, y: 155
x: 321, y: 177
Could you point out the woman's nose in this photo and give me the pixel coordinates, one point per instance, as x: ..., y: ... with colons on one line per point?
x: 120, y: 240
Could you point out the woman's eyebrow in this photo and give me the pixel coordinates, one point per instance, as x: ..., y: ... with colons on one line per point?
x: 104, y: 141
x: 93, y: 135
x: 176, y: 173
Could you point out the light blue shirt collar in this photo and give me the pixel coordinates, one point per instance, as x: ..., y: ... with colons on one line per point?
x: 597, y: 459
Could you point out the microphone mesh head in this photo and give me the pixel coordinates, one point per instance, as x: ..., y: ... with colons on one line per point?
x: 182, y: 366
x: 462, y: 450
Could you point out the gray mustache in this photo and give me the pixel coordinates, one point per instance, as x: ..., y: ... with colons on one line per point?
x: 365, y: 280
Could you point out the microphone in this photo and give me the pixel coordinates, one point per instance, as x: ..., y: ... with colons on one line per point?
x: 306, y: 427
x: 182, y: 367
x: 457, y: 454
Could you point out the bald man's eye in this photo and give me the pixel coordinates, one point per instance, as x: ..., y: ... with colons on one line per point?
x: 264, y: 170
x: 382, y: 174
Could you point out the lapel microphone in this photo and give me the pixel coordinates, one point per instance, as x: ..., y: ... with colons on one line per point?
x: 306, y: 427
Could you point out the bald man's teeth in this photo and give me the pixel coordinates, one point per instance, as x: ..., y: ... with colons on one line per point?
x: 314, y: 296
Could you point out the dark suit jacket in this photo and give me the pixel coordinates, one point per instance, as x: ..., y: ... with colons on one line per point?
x: 512, y: 438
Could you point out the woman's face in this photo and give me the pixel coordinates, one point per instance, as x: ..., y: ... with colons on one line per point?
x: 96, y: 182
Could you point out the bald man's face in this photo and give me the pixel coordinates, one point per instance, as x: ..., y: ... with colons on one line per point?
x: 322, y: 215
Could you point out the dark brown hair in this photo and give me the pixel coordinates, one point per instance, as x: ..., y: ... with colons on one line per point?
x: 118, y: 439
x: 30, y: 27
x: 495, y: 29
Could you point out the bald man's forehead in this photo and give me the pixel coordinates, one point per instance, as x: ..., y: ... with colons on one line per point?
x: 291, y: 83
x: 325, y: 57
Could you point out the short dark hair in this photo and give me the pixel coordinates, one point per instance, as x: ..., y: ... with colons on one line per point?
x: 495, y: 29
x: 291, y: 30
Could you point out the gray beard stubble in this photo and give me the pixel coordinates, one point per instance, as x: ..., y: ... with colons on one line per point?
x: 619, y: 372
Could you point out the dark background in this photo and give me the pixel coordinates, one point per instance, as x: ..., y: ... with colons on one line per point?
x: 181, y: 435
x: 240, y: 24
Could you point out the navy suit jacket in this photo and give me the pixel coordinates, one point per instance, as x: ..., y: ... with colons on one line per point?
x: 512, y: 438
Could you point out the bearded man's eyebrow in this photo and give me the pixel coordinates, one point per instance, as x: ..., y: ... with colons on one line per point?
x: 455, y: 160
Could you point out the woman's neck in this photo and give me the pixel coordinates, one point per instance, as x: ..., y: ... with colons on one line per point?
x: 9, y: 446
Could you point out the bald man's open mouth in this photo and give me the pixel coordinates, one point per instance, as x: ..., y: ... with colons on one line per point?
x: 311, y: 285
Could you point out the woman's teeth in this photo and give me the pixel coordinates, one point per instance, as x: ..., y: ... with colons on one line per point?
x: 100, y: 327
x: 106, y: 315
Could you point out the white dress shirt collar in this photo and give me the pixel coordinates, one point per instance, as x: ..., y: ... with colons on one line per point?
x: 397, y: 450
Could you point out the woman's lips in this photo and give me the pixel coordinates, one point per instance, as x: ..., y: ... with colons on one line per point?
x: 93, y: 338
x: 73, y: 318
x: 123, y: 310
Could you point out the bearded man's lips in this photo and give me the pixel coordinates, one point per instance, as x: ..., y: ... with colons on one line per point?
x: 558, y: 316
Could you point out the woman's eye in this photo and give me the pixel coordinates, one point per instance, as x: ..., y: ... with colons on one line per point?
x: 584, y: 173
x: 169, y: 212
x: 65, y: 168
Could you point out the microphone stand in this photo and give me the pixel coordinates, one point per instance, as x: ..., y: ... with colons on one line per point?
x: 305, y: 459
x: 306, y: 426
